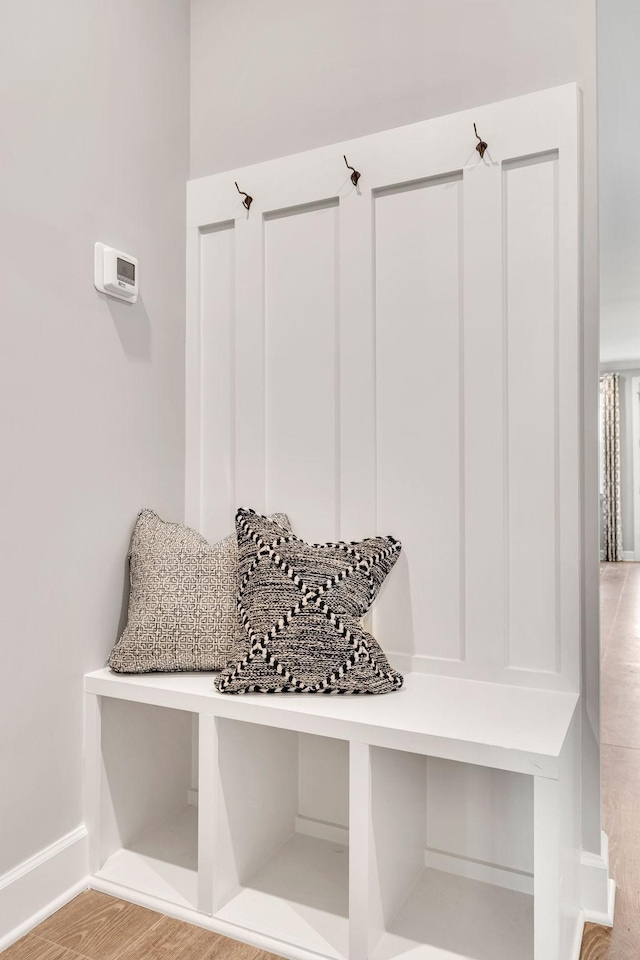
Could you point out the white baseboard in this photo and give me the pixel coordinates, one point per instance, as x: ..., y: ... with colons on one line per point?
x: 604, y: 918
x: 39, y: 886
x: 476, y: 870
x: 598, y: 890
x: 322, y: 830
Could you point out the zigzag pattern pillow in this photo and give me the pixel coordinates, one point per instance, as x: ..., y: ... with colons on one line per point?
x: 182, y: 606
x: 300, y: 607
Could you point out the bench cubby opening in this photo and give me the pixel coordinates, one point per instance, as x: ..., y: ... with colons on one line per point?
x: 426, y: 823
x: 148, y: 823
x: 283, y: 848
x: 433, y: 903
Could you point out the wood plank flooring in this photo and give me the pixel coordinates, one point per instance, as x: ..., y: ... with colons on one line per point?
x: 97, y: 927
x: 620, y: 642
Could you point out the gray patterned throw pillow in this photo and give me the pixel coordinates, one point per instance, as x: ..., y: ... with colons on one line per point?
x: 182, y: 607
x: 300, y: 606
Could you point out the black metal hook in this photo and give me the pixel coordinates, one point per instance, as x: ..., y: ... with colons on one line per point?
x: 246, y: 203
x: 482, y: 145
x: 355, y: 176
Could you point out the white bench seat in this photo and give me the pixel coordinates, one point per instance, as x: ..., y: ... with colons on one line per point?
x: 490, y: 724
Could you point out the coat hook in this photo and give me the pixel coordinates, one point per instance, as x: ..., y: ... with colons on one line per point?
x: 482, y: 145
x: 246, y: 203
x: 355, y: 176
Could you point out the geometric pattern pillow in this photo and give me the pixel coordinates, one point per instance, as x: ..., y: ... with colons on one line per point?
x: 300, y: 606
x: 182, y: 605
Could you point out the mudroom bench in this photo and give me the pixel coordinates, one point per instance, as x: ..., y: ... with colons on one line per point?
x: 195, y: 807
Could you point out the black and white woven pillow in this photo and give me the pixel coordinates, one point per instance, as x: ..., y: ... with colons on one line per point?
x: 182, y: 606
x: 300, y: 606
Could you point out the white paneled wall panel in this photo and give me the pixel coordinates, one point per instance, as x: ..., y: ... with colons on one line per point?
x: 302, y: 394
x: 402, y: 358
x: 418, y: 323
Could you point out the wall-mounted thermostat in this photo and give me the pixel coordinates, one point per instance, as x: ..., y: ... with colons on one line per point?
x: 115, y: 273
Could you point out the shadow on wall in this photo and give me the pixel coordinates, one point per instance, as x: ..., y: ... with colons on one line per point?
x: 124, y: 609
x: 133, y: 326
x: 393, y: 615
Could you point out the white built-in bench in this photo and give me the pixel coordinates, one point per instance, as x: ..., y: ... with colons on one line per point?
x: 440, y: 403
x: 217, y: 838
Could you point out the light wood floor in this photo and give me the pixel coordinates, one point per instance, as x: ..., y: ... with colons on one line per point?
x: 620, y: 641
x: 97, y: 927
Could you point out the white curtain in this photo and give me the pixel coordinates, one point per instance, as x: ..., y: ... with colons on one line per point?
x: 611, y: 466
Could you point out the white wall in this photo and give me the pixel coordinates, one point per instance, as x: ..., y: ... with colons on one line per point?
x: 619, y: 123
x: 270, y: 79
x: 94, y: 106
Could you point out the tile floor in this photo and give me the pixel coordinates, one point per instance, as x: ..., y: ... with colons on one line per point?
x: 97, y: 927
x: 620, y: 648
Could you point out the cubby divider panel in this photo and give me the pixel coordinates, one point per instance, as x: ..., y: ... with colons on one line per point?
x: 148, y: 829
x: 280, y: 871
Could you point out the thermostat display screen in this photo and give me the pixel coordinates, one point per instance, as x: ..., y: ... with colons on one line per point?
x: 126, y: 271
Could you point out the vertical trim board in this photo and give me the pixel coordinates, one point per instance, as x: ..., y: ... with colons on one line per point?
x: 531, y: 434
x: 217, y: 363
x: 357, y: 366
x: 484, y: 422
